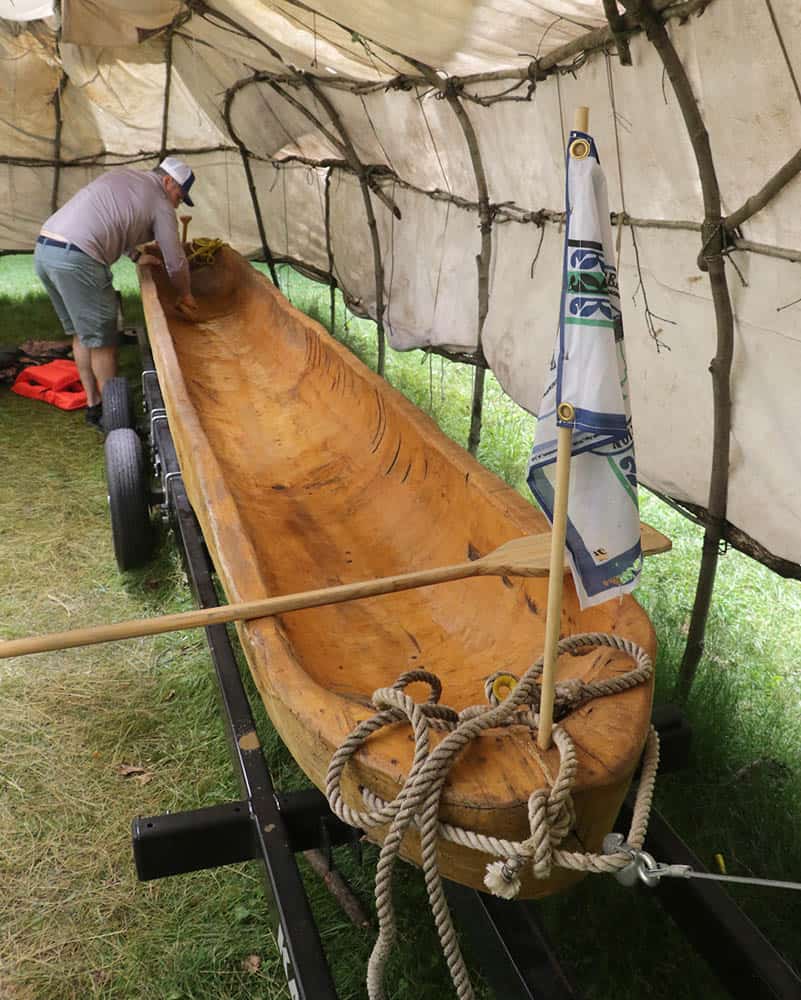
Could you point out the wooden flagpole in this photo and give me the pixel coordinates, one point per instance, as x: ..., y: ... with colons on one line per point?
x: 558, y: 532
x: 556, y: 581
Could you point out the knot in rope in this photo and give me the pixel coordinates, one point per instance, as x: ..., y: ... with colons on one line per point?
x: 550, y: 818
x: 551, y: 813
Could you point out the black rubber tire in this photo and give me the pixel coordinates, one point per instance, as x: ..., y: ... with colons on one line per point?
x: 117, y: 405
x: 128, y: 498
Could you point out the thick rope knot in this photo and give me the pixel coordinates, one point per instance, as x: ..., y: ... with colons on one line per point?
x: 417, y: 805
x: 550, y: 818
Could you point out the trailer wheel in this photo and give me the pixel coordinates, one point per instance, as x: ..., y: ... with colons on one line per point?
x: 117, y: 405
x: 128, y: 498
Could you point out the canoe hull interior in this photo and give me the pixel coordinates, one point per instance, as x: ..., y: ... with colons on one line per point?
x: 306, y: 470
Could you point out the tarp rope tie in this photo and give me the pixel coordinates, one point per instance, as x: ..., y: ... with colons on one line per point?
x: 550, y: 812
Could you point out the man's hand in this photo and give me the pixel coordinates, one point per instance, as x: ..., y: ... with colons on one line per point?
x: 187, y: 306
x: 149, y: 258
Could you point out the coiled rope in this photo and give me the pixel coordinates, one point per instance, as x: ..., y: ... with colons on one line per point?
x: 204, y: 251
x: 550, y: 812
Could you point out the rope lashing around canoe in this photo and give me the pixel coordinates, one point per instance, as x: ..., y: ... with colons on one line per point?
x: 550, y: 812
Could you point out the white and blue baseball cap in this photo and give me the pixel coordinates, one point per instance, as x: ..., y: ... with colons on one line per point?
x: 181, y: 174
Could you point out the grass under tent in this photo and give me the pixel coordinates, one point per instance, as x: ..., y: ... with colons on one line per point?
x: 92, y: 737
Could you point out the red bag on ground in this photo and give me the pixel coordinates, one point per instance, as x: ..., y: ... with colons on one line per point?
x: 56, y: 382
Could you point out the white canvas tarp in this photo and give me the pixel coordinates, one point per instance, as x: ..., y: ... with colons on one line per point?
x: 306, y: 133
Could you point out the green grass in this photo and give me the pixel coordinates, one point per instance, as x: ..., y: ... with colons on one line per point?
x: 76, y: 923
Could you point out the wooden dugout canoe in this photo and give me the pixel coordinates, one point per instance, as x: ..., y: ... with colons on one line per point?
x: 305, y: 470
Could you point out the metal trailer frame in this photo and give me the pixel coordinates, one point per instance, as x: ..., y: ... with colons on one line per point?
x: 507, y: 938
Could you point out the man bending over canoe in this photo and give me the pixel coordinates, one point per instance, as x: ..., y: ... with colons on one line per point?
x: 111, y: 216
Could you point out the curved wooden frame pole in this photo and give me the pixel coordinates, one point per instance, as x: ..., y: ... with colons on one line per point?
x: 372, y: 224
x: 254, y: 196
x: 712, y: 261
x: 329, y: 250
x: 165, y: 110
x: 484, y: 257
x: 345, y: 146
x: 596, y: 38
x: 62, y: 85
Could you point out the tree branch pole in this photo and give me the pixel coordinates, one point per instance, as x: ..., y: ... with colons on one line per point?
x: 484, y: 258
x: 332, y: 282
x: 342, y: 143
x: 378, y: 264
x: 62, y: 85
x: 597, y: 38
x: 338, y: 888
x: 617, y: 29
x: 556, y: 579
x: 165, y: 113
x: 781, y: 253
x: 758, y: 201
x: 713, y: 262
x: 735, y: 537
x: 346, y: 147
x: 254, y: 197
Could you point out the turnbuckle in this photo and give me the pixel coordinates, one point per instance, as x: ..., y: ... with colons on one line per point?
x: 643, y: 866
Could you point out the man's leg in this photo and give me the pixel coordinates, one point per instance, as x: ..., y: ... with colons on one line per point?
x: 104, y: 365
x: 83, y: 361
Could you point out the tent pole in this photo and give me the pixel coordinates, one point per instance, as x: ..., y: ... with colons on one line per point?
x: 372, y: 225
x: 617, y: 29
x: 62, y: 84
x: 712, y: 261
x: 332, y: 281
x: 243, y: 152
x: 254, y: 197
x: 477, y: 410
x: 165, y: 114
x: 366, y: 184
x: 484, y: 258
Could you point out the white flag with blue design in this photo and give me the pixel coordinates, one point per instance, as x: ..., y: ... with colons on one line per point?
x: 588, y: 370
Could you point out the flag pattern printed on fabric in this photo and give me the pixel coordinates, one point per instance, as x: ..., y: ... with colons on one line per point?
x: 588, y: 370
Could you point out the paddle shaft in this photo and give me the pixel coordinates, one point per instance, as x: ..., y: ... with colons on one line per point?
x: 201, y: 618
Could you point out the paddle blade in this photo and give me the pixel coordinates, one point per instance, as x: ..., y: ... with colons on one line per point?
x: 526, y: 556
x: 531, y: 554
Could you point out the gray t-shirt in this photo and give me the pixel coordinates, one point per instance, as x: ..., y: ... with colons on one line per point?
x: 117, y: 212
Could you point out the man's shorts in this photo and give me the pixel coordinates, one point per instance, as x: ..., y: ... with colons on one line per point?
x: 82, y: 294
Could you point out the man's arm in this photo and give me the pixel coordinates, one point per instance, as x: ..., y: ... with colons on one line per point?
x: 165, y: 231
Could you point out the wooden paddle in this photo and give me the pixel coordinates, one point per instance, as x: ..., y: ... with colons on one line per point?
x: 526, y: 556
